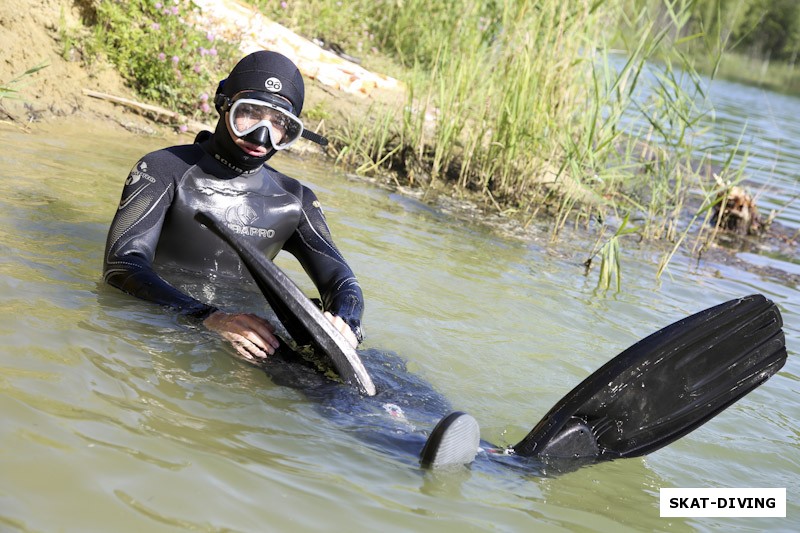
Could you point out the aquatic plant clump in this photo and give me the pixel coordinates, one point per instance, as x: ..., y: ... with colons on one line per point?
x: 494, y: 91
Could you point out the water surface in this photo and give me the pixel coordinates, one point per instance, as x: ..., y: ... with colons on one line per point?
x: 118, y: 417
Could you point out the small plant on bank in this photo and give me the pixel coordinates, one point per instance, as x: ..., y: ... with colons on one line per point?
x: 11, y: 88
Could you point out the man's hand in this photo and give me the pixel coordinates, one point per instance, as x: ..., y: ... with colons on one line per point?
x: 343, y: 328
x: 252, y: 336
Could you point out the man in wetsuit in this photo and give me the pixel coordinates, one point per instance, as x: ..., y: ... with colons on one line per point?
x: 226, y: 176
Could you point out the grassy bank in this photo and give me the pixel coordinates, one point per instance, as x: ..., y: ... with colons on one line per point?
x: 520, y: 104
x: 161, y: 57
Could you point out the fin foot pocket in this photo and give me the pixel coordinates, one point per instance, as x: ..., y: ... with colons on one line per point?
x: 575, y: 440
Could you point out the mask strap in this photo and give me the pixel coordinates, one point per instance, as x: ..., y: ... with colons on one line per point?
x: 314, y: 137
x: 222, y: 103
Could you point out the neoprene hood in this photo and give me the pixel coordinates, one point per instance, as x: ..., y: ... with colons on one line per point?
x: 265, y: 72
x: 269, y: 72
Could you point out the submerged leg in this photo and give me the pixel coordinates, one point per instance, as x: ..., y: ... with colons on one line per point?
x: 454, y: 441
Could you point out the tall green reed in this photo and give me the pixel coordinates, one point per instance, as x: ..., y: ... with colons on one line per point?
x: 502, y: 88
x: 562, y: 124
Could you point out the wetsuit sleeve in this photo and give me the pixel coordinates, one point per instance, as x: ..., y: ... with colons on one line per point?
x: 313, y: 246
x: 134, y: 234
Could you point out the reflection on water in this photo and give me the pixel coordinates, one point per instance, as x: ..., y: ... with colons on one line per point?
x: 118, y: 417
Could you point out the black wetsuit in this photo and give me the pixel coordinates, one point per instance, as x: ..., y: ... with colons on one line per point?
x: 155, y: 224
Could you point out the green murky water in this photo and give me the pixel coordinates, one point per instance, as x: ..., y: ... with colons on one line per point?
x: 114, y: 417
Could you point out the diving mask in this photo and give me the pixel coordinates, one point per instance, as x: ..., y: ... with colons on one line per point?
x: 255, y: 120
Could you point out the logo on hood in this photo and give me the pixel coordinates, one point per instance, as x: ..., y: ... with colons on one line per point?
x: 273, y: 85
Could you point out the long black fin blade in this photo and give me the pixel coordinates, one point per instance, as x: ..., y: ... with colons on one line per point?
x: 301, y: 318
x: 667, y: 384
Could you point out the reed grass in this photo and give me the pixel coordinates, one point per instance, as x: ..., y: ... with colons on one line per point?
x: 526, y: 105
x: 534, y: 112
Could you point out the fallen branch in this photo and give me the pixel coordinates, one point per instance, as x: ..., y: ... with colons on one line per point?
x: 159, y: 114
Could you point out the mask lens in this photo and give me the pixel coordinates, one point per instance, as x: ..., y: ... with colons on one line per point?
x: 247, y: 115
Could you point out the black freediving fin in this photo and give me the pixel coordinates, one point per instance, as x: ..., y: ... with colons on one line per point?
x: 664, y: 386
x: 302, y: 319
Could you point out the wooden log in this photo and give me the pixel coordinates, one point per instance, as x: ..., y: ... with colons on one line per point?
x: 159, y: 114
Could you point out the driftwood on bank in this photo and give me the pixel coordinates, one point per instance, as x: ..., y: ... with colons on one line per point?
x: 159, y: 114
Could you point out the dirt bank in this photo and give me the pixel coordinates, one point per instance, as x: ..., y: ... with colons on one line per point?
x: 34, y: 33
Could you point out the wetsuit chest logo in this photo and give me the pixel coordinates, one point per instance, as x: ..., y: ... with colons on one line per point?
x: 241, y: 219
